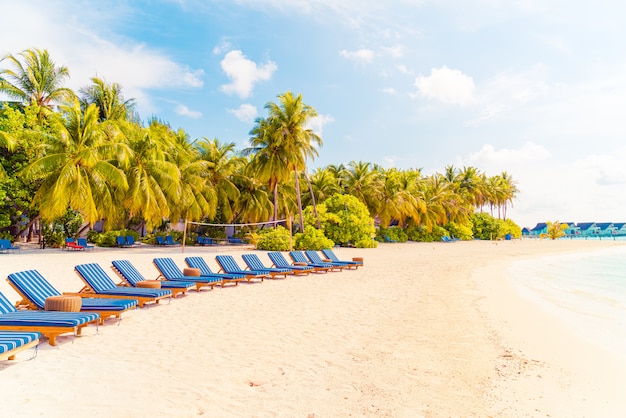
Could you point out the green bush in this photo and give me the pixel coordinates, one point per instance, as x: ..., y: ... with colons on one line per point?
x: 345, y: 220
x: 274, y: 239
x: 420, y: 234
x: 393, y: 233
x: 510, y: 227
x: 109, y: 238
x: 460, y: 231
x: 486, y: 227
x: 312, y: 239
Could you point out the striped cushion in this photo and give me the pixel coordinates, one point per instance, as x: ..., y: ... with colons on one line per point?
x: 10, y: 340
x: 100, y: 282
x: 229, y: 265
x: 130, y: 273
x: 168, y: 268
x: 106, y: 304
x: 205, y: 270
x: 254, y: 263
x: 132, y: 276
x: 33, y: 286
x: 279, y: 260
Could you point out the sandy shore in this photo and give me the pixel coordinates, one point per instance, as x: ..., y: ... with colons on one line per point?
x: 432, y: 330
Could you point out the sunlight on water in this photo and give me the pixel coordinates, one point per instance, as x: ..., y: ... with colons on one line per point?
x: 586, y: 290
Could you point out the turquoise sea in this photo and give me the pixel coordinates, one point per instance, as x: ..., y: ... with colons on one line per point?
x: 586, y: 290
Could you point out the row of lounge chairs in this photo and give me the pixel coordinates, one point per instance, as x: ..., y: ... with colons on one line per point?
x: 101, y: 298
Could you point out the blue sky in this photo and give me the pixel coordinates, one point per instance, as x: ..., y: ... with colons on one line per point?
x: 533, y: 88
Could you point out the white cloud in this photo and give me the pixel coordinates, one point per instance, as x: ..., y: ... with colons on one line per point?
x: 360, y: 55
x: 389, y: 90
x: 489, y: 156
x: 245, y: 113
x: 185, y: 111
x: 317, y: 123
x: 222, y: 47
x: 88, y: 46
x: 244, y: 73
x: 447, y: 86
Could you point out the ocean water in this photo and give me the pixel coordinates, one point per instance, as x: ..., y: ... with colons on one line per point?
x: 586, y: 290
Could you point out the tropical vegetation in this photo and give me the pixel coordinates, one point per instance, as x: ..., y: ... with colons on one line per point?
x: 88, y: 156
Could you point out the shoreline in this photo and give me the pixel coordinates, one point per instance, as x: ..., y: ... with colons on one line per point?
x: 423, y: 329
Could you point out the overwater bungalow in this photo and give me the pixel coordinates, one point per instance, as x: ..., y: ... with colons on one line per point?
x: 606, y: 229
x: 588, y: 229
x: 572, y: 230
x: 540, y: 228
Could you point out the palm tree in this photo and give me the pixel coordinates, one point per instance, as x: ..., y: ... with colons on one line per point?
x: 287, y: 123
x: 109, y: 100
x: 269, y: 163
x: 362, y: 182
x: 222, y: 168
x: 35, y: 80
x: 75, y: 168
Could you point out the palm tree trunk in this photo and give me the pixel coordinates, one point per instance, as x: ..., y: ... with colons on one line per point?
x: 317, y: 218
x: 275, y: 204
x: 299, y: 199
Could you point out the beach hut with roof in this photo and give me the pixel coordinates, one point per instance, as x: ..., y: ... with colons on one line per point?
x: 605, y: 229
x: 588, y: 229
x: 540, y: 228
x: 620, y: 228
x: 572, y: 230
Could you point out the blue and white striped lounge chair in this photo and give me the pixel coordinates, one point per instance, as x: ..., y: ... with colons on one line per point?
x: 199, y: 263
x: 98, y: 284
x: 299, y: 258
x: 131, y: 276
x: 35, y: 289
x: 170, y: 241
x: 280, y: 261
x: 170, y: 271
x: 6, y: 246
x: 83, y: 243
x: 13, y: 342
x: 329, y: 254
x: 50, y: 324
x: 254, y: 263
x: 315, y: 258
x: 228, y: 265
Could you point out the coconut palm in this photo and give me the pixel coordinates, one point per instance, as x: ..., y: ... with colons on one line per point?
x: 223, y: 166
x: 35, y: 80
x: 109, y: 100
x: 75, y: 168
x: 288, y: 127
x: 362, y: 182
x: 270, y: 162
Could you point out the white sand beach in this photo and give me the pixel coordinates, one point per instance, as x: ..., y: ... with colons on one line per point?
x: 422, y: 330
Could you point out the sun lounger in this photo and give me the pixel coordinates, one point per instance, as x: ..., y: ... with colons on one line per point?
x: 315, y: 258
x: 70, y: 244
x: 329, y: 254
x: 228, y: 265
x: 83, y: 243
x: 299, y: 258
x: 49, y: 324
x: 170, y: 241
x: 281, y: 262
x: 35, y: 289
x: 5, y: 246
x: 99, y: 284
x: 13, y: 342
x: 254, y: 263
x: 169, y: 270
x: 129, y: 274
x: 200, y: 264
